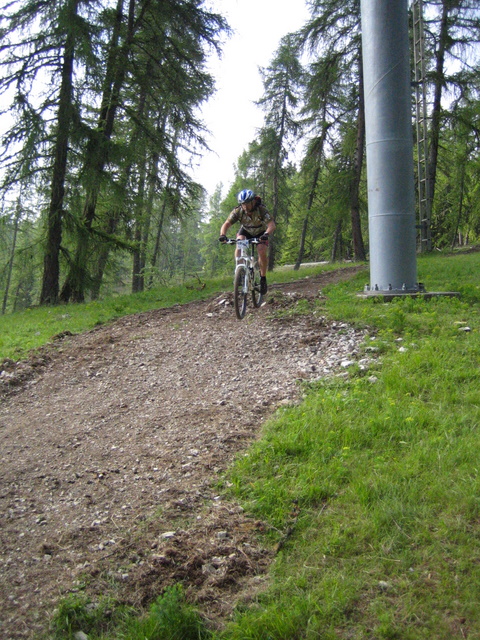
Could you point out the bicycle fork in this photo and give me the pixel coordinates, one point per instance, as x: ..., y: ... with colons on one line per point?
x: 246, y: 278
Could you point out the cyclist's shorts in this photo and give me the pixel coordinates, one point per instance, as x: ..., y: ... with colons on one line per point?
x: 243, y: 232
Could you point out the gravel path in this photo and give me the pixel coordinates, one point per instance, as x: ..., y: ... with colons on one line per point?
x: 112, y: 441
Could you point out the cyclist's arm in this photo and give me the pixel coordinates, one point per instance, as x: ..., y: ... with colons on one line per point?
x: 271, y: 226
x: 225, y: 227
x: 267, y: 219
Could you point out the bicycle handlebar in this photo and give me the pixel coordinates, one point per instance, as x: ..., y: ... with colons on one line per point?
x: 251, y: 240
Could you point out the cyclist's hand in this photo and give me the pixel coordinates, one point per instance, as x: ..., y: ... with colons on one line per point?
x: 264, y: 238
x: 223, y: 239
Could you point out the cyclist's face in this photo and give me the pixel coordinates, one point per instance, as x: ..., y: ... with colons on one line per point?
x: 247, y: 206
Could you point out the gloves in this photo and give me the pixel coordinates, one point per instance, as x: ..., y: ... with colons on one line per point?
x: 264, y: 237
x: 222, y: 239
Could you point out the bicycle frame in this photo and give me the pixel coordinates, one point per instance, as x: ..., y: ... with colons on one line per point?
x: 246, y: 258
x: 246, y: 266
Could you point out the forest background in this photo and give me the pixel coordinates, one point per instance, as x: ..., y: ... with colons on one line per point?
x: 103, y: 101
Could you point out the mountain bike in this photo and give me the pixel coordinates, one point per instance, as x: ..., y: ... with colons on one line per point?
x: 247, y: 276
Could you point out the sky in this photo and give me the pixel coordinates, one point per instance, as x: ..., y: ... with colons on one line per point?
x: 230, y: 114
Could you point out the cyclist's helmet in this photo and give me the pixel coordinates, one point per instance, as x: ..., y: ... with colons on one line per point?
x: 245, y: 196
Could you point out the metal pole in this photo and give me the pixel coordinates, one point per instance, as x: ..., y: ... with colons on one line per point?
x: 389, y: 143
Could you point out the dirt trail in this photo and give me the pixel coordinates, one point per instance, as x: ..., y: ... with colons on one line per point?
x: 112, y: 442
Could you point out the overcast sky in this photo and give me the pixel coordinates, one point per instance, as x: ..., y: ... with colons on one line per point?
x: 231, y: 115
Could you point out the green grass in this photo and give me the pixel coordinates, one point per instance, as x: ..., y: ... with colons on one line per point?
x: 77, y: 614
x: 370, y: 487
x: 375, y: 477
x: 168, y: 618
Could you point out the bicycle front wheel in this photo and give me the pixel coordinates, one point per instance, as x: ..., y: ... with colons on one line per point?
x: 239, y: 293
x: 257, y: 297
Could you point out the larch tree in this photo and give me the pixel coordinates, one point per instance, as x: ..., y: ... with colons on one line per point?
x: 332, y: 37
x: 85, y: 79
x: 321, y: 113
x: 282, y: 80
x: 452, y: 34
x: 158, y: 69
x: 42, y: 42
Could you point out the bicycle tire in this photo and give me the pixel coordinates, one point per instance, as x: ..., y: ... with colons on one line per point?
x: 239, y: 296
x: 257, y: 297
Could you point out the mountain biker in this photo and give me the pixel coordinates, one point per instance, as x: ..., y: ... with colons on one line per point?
x: 256, y: 222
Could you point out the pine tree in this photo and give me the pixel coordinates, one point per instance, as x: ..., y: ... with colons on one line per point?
x: 158, y: 70
x: 282, y: 80
x: 115, y: 72
x: 452, y: 30
x: 322, y: 112
x: 32, y: 146
x: 332, y: 37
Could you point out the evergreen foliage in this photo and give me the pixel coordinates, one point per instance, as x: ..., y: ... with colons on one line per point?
x: 107, y: 145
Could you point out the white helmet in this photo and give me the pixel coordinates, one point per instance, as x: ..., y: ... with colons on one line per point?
x: 245, y: 196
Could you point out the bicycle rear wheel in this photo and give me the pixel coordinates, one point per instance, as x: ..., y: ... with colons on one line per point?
x: 239, y: 294
x: 257, y: 297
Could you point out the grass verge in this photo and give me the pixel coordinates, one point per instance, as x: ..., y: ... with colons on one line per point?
x: 372, y: 484
x: 168, y: 618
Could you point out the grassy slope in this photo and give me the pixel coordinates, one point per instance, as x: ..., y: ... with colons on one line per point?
x: 374, y: 480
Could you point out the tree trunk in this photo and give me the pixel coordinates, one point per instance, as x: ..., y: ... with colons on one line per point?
x: 166, y: 197
x: 97, y: 153
x: 318, y: 151
x: 104, y: 254
x: 51, y: 261
x: 276, y: 184
x: 138, y: 278
x: 316, y: 174
x: 460, y: 204
x: 12, y: 256
x: 271, y: 242
x: 301, y: 250
x: 151, y: 184
x: 113, y: 220
x: 437, y: 101
x: 337, y: 242
x: 358, y: 245
x: 158, y: 236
